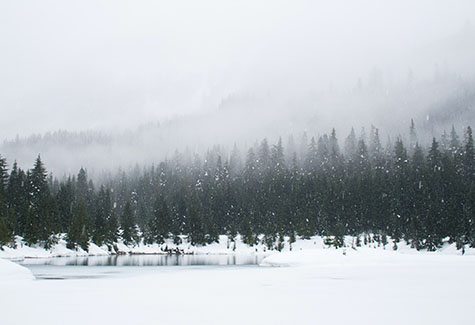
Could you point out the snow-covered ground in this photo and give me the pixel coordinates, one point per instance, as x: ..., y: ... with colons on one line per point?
x: 12, y: 272
x: 308, y: 285
x: 224, y: 246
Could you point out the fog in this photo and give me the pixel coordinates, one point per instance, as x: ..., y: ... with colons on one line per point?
x: 155, y: 76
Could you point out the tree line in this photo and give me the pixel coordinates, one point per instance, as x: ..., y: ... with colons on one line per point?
x: 406, y: 190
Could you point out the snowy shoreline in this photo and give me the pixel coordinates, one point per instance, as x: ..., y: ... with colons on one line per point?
x: 223, y: 247
x: 312, y: 275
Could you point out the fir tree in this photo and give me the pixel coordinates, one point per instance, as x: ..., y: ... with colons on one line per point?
x: 78, y: 233
x: 42, y: 214
x: 412, y: 136
x: 17, y: 198
x: 160, y: 224
x: 66, y: 199
x: 128, y: 226
x: 6, y: 233
x: 102, y: 212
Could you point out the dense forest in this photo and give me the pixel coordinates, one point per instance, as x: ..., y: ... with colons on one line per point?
x: 420, y: 193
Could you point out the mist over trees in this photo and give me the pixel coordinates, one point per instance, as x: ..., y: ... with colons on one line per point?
x: 420, y: 192
x: 436, y: 103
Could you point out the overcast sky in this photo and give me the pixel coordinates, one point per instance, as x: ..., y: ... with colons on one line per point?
x: 79, y: 65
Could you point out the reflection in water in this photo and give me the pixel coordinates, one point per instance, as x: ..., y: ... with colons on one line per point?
x: 98, y: 267
x: 148, y: 260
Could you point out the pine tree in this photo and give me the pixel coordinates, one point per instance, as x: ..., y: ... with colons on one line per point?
x: 196, y: 227
x: 323, y: 154
x: 375, y: 149
x: 247, y: 234
x: 350, y: 144
x: 311, y: 159
x: 78, y: 234
x: 3, y: 177
x: 6, y: 226
x: 128, y: 226
x: 454, y: 142
x: 6, y: 234
x: 433, y: 231
x: 278, y: 158
x: 412, y: 136
x: 84, y: 192
x: 334, y: 148
x: 112, y: 223
x: 469, y: 189
x: 263, y: 161
x: 235, y: 162
x: 42, y: 215
x: 160, y: 224
x: 65, y: 199
x: 102, y: 212
x: 418, y: 192
x: 17, y: 198
x: 400, y: 202
x: 469, y: 156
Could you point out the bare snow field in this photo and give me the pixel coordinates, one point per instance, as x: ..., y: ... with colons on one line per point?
x: 302, y: 286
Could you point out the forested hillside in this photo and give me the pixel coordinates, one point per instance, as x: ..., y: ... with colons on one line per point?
x: 417, y: 192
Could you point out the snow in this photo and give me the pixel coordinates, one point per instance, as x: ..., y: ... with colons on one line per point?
x: 37, y: 251
x: 60, y: 250
x: 317, y: 286
x: 224, y: 246
x: 306, y: 283
x: 306, y: 257
x: 12, y: 272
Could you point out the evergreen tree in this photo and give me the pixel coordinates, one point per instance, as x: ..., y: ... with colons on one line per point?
x: 6, y: 234
x: 17, y: 198
x: 128, y: 226
x: 235, y: 162
x: 418, y: 192
x: 160, y: 224
x: 78, y: 234
x: 375, y: 149
x: 6, y: 226
x: 434, y: 210
x: 112, y: 223
x: 468, y: 186
x: 311, y: 160
x: 400, y: 196
x: 412, y: 136
x: 454, y: 147
x: 350, y: 144
x: 196, y: 227
x: 3, y: 177
x: 42, y: 215
x: 6, y: 231
x: 469, y: 156
x: 65, y: 199
x: 102, y: 212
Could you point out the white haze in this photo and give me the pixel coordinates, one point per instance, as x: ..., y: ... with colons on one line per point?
x: 219, y: 72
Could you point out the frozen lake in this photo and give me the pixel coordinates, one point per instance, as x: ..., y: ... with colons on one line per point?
x: 64, y: 268
x: 310, y: 287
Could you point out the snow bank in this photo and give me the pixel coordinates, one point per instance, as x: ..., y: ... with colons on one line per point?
x: 304, y: 257
x: 314, y: 252
x: 223, y: 247
x: 421, y: 288
x: 58, y: 250
x: 10, y: 271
